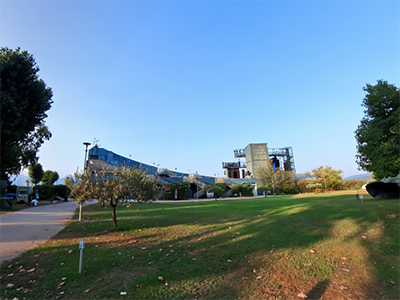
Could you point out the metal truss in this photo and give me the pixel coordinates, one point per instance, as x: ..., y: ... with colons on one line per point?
x: 284, y: 155
x: 239, y: 153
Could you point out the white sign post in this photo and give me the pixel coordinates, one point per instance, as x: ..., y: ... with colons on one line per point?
x: 81, y: 247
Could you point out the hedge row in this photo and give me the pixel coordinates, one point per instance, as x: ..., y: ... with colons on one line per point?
x: 182, y: 190
x: 48, y: 192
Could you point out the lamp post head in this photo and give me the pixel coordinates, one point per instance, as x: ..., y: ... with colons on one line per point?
x: 86, y: 144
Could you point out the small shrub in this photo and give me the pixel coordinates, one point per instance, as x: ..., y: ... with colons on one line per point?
x: 247, y: 190
x: 216, y: 190
x: 236, y: 189
x: 264, y: 189
x: 289, y: 188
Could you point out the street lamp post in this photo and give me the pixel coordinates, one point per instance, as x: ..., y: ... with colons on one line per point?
x: 87, y: 144
x: 155, y: 176
x: 84, y: 170
x: 197, y: 186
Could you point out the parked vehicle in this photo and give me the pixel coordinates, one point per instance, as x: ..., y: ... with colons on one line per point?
x: 23, y: 194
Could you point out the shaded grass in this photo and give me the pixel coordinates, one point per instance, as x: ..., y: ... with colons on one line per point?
x: 15, y: 207
x: 249, y: 249
x: 20, y: 206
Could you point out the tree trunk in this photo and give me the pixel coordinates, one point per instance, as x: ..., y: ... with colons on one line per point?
x: 114, y: 215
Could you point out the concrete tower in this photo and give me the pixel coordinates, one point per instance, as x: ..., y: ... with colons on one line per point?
x: 256, y: 156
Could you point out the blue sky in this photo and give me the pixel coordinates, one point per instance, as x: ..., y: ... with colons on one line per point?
x: 184, y: 83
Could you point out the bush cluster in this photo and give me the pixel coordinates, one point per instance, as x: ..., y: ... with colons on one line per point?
x: 289, y: 188
x: 264, y: 189
x: 182, y: 188
x: 310, y: 185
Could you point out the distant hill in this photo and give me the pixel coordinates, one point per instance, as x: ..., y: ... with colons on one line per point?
x: 20, y: 180
x: 365, y: 176
x: 61, y: 180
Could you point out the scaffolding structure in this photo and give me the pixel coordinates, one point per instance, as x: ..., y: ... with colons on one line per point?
x: 284, y: 156
x: 238, y: 153
x: 281, y: 158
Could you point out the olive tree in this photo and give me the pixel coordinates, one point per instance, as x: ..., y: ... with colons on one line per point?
x: 139, y: 186
x: 111, y: 187
x: 82, y: 188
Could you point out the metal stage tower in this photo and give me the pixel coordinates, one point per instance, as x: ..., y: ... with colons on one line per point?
x: 281, y: 157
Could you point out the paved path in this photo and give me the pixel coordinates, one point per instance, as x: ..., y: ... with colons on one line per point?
x: 22, y: 230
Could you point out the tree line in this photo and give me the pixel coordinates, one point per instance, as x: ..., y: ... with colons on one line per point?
x: 318, y: 180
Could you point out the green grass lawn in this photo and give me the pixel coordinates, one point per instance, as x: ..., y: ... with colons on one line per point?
x: 326, y: 246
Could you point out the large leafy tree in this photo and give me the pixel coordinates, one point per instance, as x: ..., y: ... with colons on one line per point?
x: 378, y: 142
x: 25, y: 98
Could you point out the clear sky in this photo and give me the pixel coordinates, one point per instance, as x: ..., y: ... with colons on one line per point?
x: 184, y: 83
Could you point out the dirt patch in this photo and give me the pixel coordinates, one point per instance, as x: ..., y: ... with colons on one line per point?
x: 268, y: 277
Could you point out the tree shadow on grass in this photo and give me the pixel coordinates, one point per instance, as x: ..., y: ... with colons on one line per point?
x: 214, y: 248
x: 318, y: 290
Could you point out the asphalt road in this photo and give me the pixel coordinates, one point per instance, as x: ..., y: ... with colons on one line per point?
x: 23, y: 230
